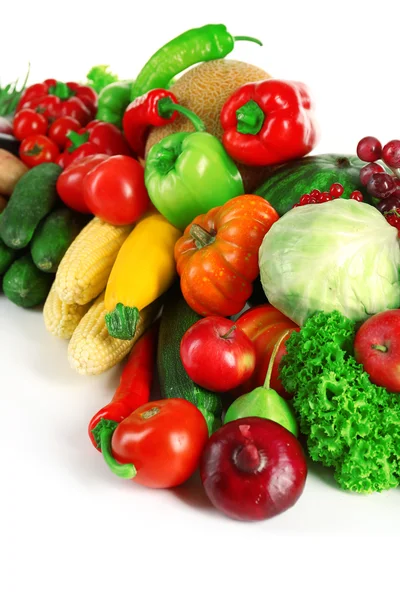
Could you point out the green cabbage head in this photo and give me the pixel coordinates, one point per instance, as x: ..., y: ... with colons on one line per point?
x: 340, y: 255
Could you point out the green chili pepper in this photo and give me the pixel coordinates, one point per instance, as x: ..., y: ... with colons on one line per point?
x: 113, y: 101
x: 186, y: 174
x: 195, y: 45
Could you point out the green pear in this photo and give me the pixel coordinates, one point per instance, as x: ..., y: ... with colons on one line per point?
x: 264, y: 402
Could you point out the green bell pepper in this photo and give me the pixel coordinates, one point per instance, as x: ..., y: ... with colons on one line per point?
x: 113, y: 101
x: 187, y: 174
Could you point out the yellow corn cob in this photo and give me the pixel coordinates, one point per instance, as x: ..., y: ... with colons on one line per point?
x: 84, y: 270
x: 62, y: 319
x: 92, y: 350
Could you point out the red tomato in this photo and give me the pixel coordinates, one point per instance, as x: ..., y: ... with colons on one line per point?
x: 60, y: 128
x: 115, y: 191
x: 70, y: 182
x: 37, y: 149
x: 48, y: 106
x: 163, y: 440
x: 29, y: 122
x: 74, y: 107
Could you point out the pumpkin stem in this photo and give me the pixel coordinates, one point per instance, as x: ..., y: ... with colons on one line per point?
x: 201, y: 236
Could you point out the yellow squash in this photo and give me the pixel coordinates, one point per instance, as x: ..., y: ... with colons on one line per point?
x: 143, y: 271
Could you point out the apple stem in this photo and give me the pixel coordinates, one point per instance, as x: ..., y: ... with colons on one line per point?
x: 272, y: 359
x: 379, y: 347
x: 227, y: 334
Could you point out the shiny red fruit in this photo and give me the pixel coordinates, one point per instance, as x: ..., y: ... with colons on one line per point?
x: 369, y: 149
x: 217, y: 355
x: 369, y: 170
x: 391, y: 154
x: 164, y: 440
x: 377, y: 348
x: 29, y: 122
x: 253, y: 469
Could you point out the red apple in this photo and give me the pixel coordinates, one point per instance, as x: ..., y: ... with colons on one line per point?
x: 377, y: 348
x: 217, y: 355
x: 253, y: 469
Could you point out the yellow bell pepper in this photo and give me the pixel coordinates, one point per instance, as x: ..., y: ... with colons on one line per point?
x: 144, y: 269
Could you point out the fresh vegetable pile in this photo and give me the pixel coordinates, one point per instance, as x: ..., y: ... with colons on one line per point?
x: 208, y: 251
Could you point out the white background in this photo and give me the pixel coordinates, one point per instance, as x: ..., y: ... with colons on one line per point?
x: 68, y: 528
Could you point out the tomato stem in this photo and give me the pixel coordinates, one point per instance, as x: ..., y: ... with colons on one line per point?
x: 201, y: 236
x: 127, y: 471
x: 272, y: 359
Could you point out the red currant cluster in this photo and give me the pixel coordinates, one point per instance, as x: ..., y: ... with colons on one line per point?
x: 335, y: 191
x: 382, y: 184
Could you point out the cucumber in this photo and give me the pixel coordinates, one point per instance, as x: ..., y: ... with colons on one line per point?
x: 53, y: 237
x: 176, y: 319
x: 25, y: 285
x: 7, y: 257
x: 32, y: 199
x: 287, y: 182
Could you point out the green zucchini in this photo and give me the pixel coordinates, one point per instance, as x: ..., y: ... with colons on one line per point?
x: 25, y: 285
x: 33, y: 198
x: 176, y: 319
x: 287, y: 182
x: 53, y: 237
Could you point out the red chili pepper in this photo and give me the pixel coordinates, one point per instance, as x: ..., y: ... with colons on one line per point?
x: 134, y: 386
x: 57, y: 99
x: 96, y: 138
x: 269, y: 122
x: 153, y: 109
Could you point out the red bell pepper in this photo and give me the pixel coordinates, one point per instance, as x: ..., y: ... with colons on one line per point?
x: 70, y: 184
x: 153, y: 109
x: 96, y: 138
x: 115, y: 192
x: 57, y: 99
x: 269, y: 122
x: 134, y: 387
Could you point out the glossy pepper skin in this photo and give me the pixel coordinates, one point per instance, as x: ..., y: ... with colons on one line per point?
x: 187, y: 174
x: 113, y: 101
x: 209, y: 42
x: 153, y: 109
x: 96, y: 138
x: 269, y: 122
x: 134, y: 386
x: 57, y: 99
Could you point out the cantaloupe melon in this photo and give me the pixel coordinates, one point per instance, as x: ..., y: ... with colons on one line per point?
x: 204, y: 89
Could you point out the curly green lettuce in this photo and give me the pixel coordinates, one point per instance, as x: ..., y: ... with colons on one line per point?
x: 99, y: 76
x: 351, y: 424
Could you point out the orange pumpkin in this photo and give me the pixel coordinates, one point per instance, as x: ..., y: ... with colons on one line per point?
x: 217, y: 256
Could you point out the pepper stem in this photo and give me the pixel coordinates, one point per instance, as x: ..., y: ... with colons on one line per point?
x: 272, y: 359
x: 77, y: 139
x: 201, y: 236
x: 166, y: 108
x: 246, y: 38
x: 250, y: 118
x: 61, y: 90
x: 127, y: 471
